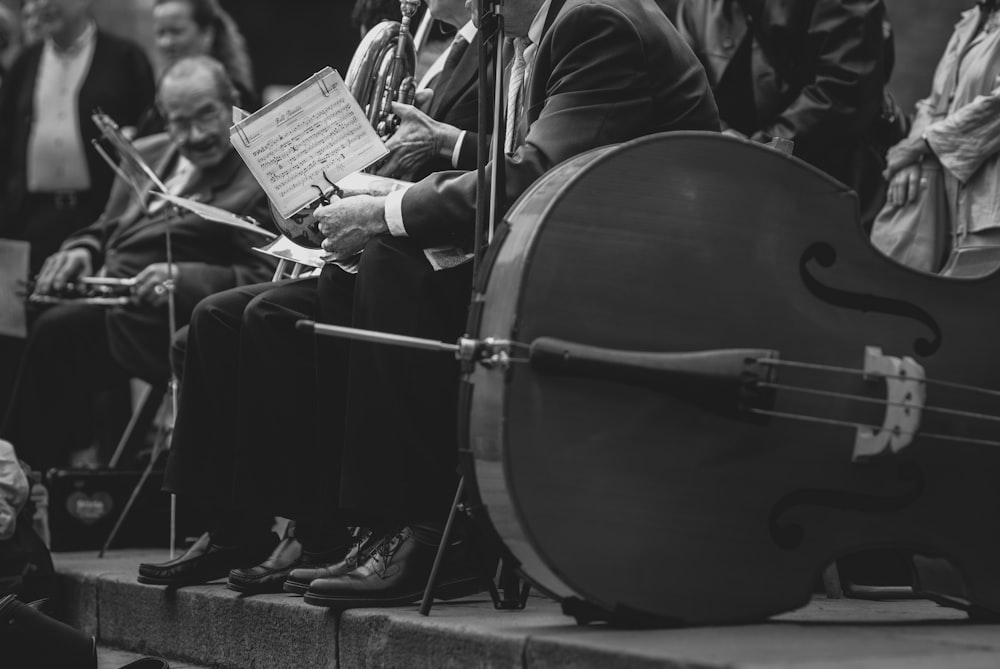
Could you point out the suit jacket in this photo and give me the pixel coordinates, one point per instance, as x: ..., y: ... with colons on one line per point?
x: 456, y: 102
x: 834, y: 59
x: 604, y: 72
x: 210, y: 256
x: 119, y: 81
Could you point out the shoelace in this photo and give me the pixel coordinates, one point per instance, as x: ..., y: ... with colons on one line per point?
x: 356, y: 555
x: 382, y: 556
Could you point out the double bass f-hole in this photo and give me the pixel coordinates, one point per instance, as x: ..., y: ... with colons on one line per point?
x: 825, y: 256
x: 790, y: 536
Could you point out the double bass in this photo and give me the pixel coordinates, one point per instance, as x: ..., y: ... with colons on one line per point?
x: 701, y: 385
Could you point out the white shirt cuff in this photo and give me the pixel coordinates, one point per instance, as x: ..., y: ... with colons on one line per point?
x: 457, y: 151
x: 394, y: 212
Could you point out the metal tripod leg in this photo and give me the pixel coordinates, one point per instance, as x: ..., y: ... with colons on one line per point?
x: 160, y: 442
x: 425, y: 603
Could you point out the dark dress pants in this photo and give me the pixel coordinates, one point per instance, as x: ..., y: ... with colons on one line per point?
x: 67, y: 360
x: 246, y: 429
x: 400, y: 441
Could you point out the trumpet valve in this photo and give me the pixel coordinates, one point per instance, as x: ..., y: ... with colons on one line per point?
x: 408, y: 8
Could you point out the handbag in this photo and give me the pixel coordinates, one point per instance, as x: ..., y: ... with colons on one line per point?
x: 916, y: 234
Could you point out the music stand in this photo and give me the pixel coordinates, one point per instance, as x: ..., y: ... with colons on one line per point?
x: 134, y: 171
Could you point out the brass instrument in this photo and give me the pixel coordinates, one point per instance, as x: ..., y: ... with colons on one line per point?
x: 381, y: 72
x: 98, y: 290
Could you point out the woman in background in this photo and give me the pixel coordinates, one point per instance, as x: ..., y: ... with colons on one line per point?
x: 183, y: 28
x: 944, y: 178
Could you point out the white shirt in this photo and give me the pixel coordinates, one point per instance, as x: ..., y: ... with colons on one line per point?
x: 57, y: 159
x: 394, y: 201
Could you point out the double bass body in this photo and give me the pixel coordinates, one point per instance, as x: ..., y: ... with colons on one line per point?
x: 670, y: 505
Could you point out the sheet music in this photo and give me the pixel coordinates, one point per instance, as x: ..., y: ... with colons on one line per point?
x: 215, y: 214
x: 284, y: 248
x: 315, y: 129
x: 14, y: 262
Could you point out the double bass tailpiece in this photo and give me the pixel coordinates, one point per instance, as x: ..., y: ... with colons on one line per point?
x: 729, y: 381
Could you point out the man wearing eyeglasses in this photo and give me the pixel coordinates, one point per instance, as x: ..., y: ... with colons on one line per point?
x: 75, y: 350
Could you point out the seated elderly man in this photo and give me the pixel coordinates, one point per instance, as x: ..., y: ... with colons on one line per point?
x: 75, y: 350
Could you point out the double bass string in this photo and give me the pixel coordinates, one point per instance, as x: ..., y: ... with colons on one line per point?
x: 872, y: 400
x: 850, y: 370
x: 876, y: 428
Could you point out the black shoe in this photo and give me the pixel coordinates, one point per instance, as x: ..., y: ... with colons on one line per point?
x: 205, y: 562
x: 397, y: 573
x: 270, y: 575
x: 298, y: 580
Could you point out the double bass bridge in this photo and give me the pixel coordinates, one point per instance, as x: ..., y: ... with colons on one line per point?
x: 906, y: 393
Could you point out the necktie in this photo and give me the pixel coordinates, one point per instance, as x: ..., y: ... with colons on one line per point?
x: 455, y: 53
x: 514, y: 86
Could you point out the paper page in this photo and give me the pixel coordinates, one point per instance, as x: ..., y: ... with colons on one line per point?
x: 215, y: 214
x: 131, y: 162
x: 314, y: 134
x: 286, y: 249
x: 14, y: 263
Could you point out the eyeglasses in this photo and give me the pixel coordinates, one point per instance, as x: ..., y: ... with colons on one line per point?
x: 206, y: 120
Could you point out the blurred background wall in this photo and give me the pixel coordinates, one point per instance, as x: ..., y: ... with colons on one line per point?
x: 291, y: 39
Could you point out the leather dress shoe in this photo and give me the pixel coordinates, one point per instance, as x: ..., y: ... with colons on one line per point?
x: 205, y: 561
x: 270, y: 575
x: 299, y: 579
x: 396, y: 574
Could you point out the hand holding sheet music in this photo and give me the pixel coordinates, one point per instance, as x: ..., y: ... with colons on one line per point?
x: 309, y: 138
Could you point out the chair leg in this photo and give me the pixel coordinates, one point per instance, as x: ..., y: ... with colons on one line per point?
x: 128, y: 505
x: 142, y: 417
x: 158, y: 447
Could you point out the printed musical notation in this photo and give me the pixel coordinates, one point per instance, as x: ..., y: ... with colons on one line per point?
x: 316, y: 129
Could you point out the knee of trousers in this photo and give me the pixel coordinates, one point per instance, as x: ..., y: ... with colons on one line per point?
x: 265, y: 315
x: 58, y: 328
x: 221, y: 312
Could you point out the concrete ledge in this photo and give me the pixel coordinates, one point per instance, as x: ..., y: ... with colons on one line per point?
x: 213, y: 626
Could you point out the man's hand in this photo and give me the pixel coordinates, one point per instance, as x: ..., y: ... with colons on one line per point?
x: 62, y: 267
x: 418, y: 140
x: 908, y: 152
x: 905, y: 186
x: 349, y: 223
x: 153, y: 283
x: 422, y: 99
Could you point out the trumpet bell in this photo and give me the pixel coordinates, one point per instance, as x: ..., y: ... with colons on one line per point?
x: 373, y: 69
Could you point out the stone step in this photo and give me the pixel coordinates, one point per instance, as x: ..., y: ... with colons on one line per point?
x: 210, y: 625
x: 114, y: 658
